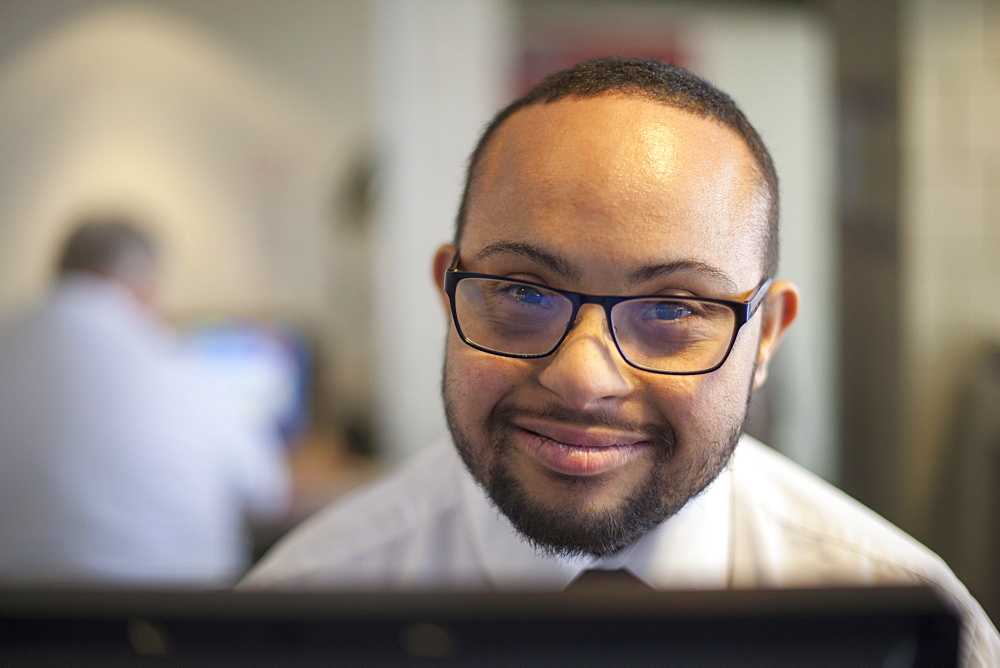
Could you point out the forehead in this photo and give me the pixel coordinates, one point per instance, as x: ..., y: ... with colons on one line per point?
x: 614, y: 183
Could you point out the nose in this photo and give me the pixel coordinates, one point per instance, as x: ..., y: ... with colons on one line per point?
x: 587, y: 369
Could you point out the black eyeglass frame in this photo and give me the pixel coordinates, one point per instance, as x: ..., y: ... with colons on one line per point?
x: 744, y: 312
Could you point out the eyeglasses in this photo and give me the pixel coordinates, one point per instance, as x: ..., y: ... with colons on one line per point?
x: 661, y: 334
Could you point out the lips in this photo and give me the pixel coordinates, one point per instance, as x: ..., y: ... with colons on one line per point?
x: 580, y: 450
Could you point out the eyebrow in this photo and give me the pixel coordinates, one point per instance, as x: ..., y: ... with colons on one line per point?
x: 569, y: 271
x: 542, y: 257
x: 652, y: 271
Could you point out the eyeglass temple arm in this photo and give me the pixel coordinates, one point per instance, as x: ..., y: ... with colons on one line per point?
x: 454, y: 262
x: 758, y: 298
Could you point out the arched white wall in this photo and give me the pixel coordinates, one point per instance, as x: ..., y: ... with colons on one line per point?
x: 441, y: 70
x: 137, y: 108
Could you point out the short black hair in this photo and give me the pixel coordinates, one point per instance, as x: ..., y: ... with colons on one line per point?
x: 652, y: 80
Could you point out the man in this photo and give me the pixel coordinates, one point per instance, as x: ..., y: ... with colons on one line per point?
x: 116, y: 464
x: 608, y: 430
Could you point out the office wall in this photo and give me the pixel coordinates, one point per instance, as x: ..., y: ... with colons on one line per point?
x: 951, y: 197
x: 441, y: 71
x: 950, y: 91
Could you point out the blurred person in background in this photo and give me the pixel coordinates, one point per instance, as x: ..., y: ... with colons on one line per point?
x: 613, y: 301
x: 118, y: 466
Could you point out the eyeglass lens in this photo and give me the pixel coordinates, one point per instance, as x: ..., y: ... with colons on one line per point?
x: 672, y: 334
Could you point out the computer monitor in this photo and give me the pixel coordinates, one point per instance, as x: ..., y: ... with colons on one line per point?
x: 820, y: 627
x: 262, y: 368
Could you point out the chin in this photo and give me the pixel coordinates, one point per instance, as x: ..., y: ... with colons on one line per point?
x: 574, y: 515
x: 578, y: 515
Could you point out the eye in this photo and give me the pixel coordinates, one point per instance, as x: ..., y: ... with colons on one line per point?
x: 668, y: 311
x: 520, y: 296
x: 527, y: 294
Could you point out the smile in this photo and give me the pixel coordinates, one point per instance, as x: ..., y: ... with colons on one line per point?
x: 579, y: 451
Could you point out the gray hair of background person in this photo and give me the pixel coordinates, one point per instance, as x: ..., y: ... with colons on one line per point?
x: 110, y: 246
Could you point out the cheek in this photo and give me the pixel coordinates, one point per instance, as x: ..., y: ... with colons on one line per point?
x: 478, y: 381
x: 705, y: 408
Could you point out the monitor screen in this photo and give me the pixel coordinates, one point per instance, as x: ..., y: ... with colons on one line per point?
x: 821, y: 627
x: 262, y: 368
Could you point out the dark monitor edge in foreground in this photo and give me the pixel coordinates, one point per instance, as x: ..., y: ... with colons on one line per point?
x: 817, y: 627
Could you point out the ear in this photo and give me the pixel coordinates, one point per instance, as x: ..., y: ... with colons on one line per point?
x: 779, y: 310
x: 442, y: 260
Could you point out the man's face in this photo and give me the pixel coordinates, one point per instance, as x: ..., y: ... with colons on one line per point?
x: 607, y: 196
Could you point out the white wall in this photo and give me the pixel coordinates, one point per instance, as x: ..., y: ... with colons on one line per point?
x: 440, y: 68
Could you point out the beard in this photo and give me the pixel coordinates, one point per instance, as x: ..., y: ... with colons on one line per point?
x: 569, y: 530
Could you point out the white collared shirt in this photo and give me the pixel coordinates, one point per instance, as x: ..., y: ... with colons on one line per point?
x: 764, y: 522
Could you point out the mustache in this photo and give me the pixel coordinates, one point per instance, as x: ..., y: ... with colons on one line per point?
x: 660, y: 433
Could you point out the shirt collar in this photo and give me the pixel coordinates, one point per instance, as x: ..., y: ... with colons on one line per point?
x: 690, y: 550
